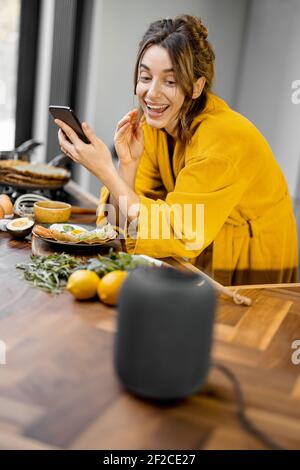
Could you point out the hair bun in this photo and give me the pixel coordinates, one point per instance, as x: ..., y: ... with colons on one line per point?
x: 195, y: 24
x: 203, y: 31
x: 200, y: 27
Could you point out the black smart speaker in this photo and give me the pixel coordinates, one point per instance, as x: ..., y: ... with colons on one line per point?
x: 164, y: 333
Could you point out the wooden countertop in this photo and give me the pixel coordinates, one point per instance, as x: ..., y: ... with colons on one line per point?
x: 58, y: 388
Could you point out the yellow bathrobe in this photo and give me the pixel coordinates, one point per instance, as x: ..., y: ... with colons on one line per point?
x: 223, y: 197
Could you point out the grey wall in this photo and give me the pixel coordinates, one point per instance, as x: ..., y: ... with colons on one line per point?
x: 41, y: 114
x: 117, y: 26
x: 270, y: 65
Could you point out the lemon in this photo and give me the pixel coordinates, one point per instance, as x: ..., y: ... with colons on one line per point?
x: 83, y: 284
x: 110, y: 285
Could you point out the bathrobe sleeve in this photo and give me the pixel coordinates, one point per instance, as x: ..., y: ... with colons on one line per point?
x: 148, y: 183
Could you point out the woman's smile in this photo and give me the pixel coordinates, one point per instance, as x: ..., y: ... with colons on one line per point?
x: 155, y: 111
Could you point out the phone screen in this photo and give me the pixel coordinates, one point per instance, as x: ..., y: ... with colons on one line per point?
x: 67, y: 115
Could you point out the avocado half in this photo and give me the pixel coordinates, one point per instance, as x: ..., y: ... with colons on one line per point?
x: 20, y: 228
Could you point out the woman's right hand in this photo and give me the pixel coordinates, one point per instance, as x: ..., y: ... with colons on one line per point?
x: 129, y: 140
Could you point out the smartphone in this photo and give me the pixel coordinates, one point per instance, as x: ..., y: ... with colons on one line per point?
x: 67, y: 115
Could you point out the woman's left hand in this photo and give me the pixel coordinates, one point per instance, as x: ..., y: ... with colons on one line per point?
x: 95, y: 157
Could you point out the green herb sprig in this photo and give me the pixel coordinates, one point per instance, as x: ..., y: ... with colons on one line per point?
x: 114, y: 261
x: 50, y: 273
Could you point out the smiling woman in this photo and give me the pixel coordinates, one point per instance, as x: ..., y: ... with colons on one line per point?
x: 195, y: 178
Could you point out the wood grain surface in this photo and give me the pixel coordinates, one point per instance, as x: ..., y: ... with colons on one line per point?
x: 58, y: 389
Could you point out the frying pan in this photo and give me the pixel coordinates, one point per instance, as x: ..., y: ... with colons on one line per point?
x: 60, y: 160
x: 20, y: 153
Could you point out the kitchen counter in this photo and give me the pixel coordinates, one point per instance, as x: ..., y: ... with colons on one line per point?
x: 58, y: 389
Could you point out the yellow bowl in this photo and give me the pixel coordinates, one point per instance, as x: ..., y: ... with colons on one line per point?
x: 51, y: 212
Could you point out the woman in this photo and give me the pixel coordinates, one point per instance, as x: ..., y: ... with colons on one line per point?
x: 195, y: 178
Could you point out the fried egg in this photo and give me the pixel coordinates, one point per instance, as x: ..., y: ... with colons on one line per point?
x: 76, y: 234
x: 68, y: 228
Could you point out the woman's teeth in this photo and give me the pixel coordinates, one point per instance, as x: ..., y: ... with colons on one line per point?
x: 157, y: 109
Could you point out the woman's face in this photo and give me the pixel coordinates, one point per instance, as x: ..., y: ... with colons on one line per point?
x: 158, y: 93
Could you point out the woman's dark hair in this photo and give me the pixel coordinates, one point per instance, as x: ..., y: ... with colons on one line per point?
x: 192, y: 57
